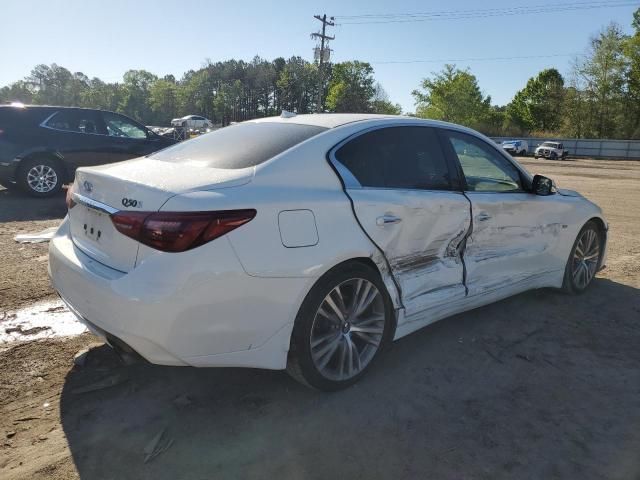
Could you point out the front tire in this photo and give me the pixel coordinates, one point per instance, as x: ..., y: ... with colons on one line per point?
x: 40, y: 177
x: 343, y: 323
x: 584, y: 259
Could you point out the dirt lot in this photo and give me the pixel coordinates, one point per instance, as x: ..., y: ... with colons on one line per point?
x: 541, y: 385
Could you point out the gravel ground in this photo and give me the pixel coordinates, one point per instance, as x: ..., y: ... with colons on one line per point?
x: 541, y: 385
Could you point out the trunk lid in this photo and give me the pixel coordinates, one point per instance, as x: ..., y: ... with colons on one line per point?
x: 136, y: 185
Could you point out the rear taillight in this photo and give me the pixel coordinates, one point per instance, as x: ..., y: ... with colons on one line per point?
x: 179, y: 231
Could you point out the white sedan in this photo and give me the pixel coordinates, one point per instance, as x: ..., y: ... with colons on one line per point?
x: 192, y: 122
x: 311, y: 242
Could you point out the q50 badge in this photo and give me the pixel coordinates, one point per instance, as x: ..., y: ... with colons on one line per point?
x: 131, y: 202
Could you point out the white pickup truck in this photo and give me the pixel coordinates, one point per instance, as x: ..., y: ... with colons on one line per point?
x: 551, y: 150
x: 516, y: 147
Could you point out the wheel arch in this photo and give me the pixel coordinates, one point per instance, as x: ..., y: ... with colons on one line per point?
x: 602, y: 226
x: 49, y: 155
x: 379, y: 266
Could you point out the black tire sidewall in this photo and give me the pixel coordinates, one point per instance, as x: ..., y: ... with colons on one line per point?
x: 300, y: 349
x: 568, y: 284
x: 26, y: 165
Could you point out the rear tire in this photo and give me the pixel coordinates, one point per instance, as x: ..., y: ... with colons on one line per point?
x: 40, y: 177
x: 584, y: 259
x: 343, y: 323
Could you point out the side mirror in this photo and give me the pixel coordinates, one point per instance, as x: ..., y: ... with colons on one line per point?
x: 543, y: 186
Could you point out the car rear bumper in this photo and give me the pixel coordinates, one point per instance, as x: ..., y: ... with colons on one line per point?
x: 211, y: 315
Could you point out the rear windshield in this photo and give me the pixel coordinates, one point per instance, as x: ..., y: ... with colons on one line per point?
x: 239, y: 146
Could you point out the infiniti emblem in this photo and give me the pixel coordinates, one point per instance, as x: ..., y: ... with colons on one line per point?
x: 88, y: 186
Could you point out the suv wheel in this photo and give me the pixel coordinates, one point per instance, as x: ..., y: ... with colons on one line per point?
x: 40, y: 177
x: 343, y: 323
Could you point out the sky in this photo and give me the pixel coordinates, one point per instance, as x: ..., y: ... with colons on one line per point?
x: 105, y: 39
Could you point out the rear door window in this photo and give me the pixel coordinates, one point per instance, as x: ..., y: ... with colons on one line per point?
x: 239, y: 146
x: 397, y: 157
x: 77, y: 121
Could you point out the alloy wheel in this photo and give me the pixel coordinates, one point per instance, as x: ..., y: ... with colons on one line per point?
x: 42, y: 178
x: 585, y: 258
x: 348, y: 329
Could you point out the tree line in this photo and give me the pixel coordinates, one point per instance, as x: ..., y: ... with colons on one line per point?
x: 600, y: 98
x: 229, y: 91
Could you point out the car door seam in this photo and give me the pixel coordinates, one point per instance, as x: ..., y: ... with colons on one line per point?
x: 355, y: 216
x: 463, y: 245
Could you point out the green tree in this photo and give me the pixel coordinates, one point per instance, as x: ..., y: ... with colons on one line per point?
x: 135, y: 94
x: 631, y: 109
x: 381, y: 103
x: 297, y: 85
x: 163, y: 100
x: 351, y: 88
x: 55, y: 85
x: 19, y: 91
x: 453, y: 95
x: 99, y: 94
x: 601, y: 76
x: 538, y: 105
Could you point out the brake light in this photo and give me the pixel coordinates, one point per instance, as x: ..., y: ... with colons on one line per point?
x: 69, y: 199
x: 179, y: 231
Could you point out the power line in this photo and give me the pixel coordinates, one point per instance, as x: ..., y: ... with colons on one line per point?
x: 367, y: 19
x: 476, y: 59
x: 324, y: 47
x: 517, y: 7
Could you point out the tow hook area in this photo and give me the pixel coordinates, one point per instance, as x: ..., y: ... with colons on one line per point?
x: 127, y: 354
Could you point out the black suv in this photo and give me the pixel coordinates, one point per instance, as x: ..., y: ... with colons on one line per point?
x: 41, y: 147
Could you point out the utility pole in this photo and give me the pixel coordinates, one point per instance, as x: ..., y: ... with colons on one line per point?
x: 324, y: 44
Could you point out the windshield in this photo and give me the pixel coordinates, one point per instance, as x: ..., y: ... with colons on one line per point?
x: 550, y: 144
x: 239, y: 146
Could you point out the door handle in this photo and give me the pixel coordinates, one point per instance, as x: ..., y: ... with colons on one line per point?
x: 387, y: 220
x: 483, y: 216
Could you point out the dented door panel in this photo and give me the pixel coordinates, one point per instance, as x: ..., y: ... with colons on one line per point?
x: 515, y: 236
x: 424, y: 247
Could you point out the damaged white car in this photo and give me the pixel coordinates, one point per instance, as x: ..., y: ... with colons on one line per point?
x: 310, y: 242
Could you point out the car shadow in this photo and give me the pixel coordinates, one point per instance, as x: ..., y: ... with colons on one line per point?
x: 536, y: 386
x: 17, y: 206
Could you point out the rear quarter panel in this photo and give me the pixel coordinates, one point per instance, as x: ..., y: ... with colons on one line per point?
x: 298, y: 179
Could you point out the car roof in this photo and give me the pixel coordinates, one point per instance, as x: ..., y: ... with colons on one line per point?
x: 333, y: 120
x: 50, y: 107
